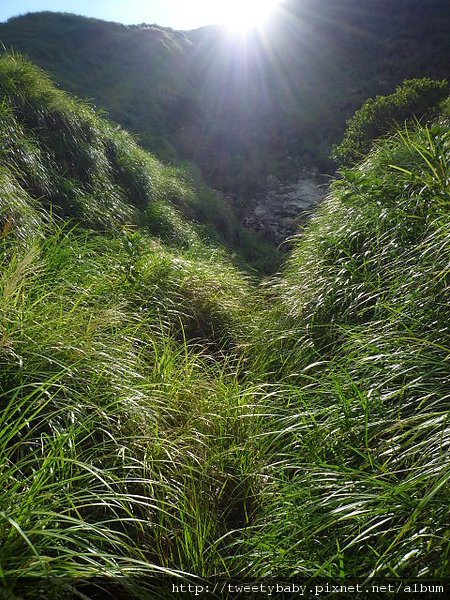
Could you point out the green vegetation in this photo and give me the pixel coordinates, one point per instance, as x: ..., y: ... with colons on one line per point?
x: 120, y: 323
x: 135, y: 73
x: 360, y: 482
x: 382, y: 115
x: 87, y: 169
x: 164, y: 412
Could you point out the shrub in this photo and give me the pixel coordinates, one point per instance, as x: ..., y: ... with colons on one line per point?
x: 383, y: 114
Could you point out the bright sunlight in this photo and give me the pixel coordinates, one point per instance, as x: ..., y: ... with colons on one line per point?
x: 241, y: 15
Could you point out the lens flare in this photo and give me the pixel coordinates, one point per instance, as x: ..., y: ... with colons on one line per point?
x: 241, y: 15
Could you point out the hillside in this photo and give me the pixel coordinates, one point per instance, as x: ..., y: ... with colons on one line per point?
x: 243, y: 109
x: 136, y: 73
x: 168, y: 418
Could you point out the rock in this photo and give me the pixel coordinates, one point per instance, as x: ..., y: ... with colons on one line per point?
x: 284, y: 207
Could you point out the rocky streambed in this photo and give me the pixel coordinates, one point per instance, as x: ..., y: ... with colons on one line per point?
x: 284, y: 207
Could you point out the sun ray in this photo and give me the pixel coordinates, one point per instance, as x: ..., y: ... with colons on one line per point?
x: 242, y: 15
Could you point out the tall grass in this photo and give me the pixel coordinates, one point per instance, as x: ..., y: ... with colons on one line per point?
x: 119, y: 356
x: 163, y: 414
x: 66, y: 156
x: 359, y: 479
x: 118, y: 436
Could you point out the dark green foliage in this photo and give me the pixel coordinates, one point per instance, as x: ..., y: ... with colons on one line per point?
x: 382, y: 115
x: 111, y: 64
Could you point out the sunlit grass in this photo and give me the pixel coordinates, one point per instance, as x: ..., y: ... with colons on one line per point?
x: 359, y: 473
x: 162, y: 412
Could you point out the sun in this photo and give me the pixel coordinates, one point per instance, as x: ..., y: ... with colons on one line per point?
x: 241, y: 15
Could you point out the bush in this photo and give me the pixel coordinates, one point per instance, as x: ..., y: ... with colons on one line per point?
x: 383, y: 114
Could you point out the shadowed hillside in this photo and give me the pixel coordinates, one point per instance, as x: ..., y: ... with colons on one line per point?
x: 136, y: 73
x: 243, y: 107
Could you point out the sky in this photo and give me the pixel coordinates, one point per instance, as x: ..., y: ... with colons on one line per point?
x: 179, y: 14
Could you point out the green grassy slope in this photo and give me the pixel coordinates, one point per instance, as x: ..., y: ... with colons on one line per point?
x: 120, y: 343
x: 87, y: 169
x: 360, y: 334
x: 136, y: 73
x: 161, y: 412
